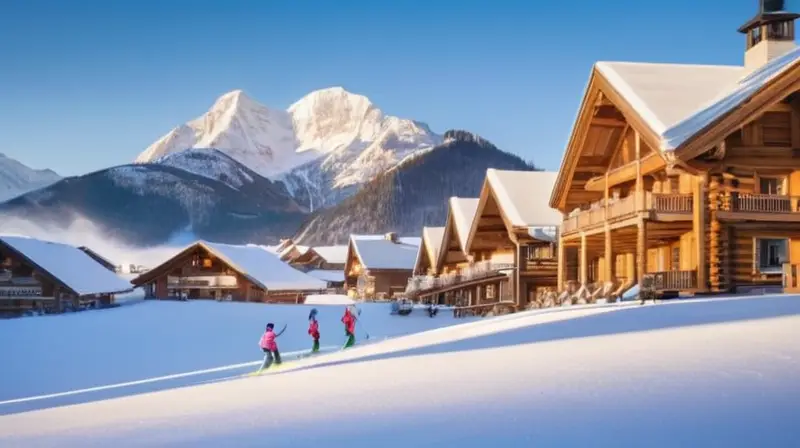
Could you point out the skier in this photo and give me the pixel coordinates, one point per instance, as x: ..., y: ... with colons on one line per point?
x: 313, y: 329
x: 270, y: 347
x: 349, y: 321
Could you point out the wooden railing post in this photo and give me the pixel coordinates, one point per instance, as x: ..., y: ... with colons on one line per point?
x: 699, y: 231
x: 584, y: 261
x: 641, y: 250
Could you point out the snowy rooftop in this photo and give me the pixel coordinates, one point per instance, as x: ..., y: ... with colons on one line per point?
x: 376, y: 252
x: 524, y: 196
x: 332, y: 254
x: 432, y: 236
x: 327, y: 275
x: 463, y: 212
x: 679, y: 100
x: 69, y: 265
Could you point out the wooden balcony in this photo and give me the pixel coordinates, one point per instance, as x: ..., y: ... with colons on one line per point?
x: 479, y: 270
x: 623, y: 208
x: 203, y: 282
x: 761, y: 203
x: 674, y: 280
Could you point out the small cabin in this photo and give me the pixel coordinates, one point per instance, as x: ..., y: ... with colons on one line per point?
x: 379, y: 266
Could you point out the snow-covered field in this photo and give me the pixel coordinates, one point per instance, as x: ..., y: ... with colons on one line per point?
x: 62, y: 354
x: 718, y: 372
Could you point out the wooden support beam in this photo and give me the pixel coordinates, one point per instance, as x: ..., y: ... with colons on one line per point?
x: 609, y: 256
x: 608, y: 122
x: 639, y: 181
x: 584, y: 262
x: 562, y: 255
x: 641, y: 250
x: 649, y: 164
x: 699, y: 198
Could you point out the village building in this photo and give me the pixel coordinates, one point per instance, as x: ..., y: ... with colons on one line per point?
x: 684, y: 178
x: 428, y: 253
x: 323, y: 262
x: 437, y: 284
x: 43, y: 276
x: 249, y: 273
x: 500, y: 247
x: 379, y: 266
x: 105, y: 262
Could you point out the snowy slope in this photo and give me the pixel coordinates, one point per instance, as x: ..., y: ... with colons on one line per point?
x: 323, y: 144
x: 701, y: 373
x: 17, y: 179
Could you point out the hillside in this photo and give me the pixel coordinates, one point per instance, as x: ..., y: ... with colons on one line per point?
x: 414, y: 194
x: 145, y: 204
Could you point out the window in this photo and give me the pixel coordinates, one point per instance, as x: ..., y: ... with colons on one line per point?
x: 771, y: 185
x: 779, y: 30
x: 771, y: 254
x: 755, y: 36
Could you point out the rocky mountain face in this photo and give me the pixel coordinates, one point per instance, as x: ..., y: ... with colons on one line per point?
x: 322, y: 147
x: 414, y: 193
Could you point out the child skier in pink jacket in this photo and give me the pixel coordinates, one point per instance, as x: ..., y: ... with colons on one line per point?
x: 270, y: 347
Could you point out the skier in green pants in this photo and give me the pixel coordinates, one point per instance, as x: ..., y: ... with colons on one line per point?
x: 349, y: 321
x: 313, y: 329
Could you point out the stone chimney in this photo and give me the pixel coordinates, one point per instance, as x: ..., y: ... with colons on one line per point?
x: 770, y: 34
x: 391, y: 236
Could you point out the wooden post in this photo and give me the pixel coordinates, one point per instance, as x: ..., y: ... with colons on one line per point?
x: 606, y: 212
x: 609, y: 256
x: 639, y: 180
x: 641, y: 250
x: 584, y: 262
x: 517, y: 290
x: 699, y: 231
x: 562, y: 262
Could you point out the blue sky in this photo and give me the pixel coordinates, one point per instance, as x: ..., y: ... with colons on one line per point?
x: 89, y: 84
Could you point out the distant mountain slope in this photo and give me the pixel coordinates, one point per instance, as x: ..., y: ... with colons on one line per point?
x: 17, y: 178
x: 145, y: 204
x: 322, y: 146
x: 414, y: 194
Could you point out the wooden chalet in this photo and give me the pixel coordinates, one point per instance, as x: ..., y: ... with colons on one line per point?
x: 329, y: 258
x: 498, y: 248
x: 105, y: 262
x: 205, y: 270
x: 439, y: 283
x: 379, y: 266
x: 686, y: 178
x: 428, y: 254
x: 50, y: 277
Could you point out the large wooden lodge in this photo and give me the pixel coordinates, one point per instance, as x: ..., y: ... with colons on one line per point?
x: 685, y: 177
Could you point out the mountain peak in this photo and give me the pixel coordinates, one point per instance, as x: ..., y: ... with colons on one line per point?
x: 329, y: 100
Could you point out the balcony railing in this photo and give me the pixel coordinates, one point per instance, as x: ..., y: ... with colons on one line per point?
x: 209, y: 281
x: 761, y: 203
x: 478, y: 270
x: 620, y: 208
x: 674, y: 280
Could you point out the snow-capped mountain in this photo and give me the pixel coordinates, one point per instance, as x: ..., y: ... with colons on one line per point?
x: 17, y: 179
x: 147, y: 204
x: 323, y: 145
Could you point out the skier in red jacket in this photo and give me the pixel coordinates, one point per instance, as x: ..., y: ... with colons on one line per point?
x: 349, y: 321
x: 313, y: 329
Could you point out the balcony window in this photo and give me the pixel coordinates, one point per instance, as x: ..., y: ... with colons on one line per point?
x: 771, y: 254
x: 771, y: 185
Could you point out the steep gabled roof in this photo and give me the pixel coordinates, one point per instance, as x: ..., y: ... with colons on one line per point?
x: 463, y: 212
x: 332, y: 254
x: 523, y: 196
x: 67, y: 265
x: 675, y: 106
x: 377, y: 252
x: 258, y: 264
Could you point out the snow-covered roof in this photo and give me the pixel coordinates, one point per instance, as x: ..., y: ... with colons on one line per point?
x: 69, y: 265
x: 327, y: 275
x: 524, y: 196
x: 263, y: 267
x: 377, y: 252
x: 332, y: 254
x: 549, y: 233
x: 679, y: 100
x: 433, y: 241
x: 463, y: 212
